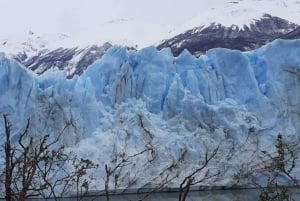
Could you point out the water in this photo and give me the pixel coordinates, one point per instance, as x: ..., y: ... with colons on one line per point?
x: 213, y: 195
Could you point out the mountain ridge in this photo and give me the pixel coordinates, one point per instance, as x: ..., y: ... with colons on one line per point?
x: 200, y: 39
x: 241, y: 25
x: 197, y: 41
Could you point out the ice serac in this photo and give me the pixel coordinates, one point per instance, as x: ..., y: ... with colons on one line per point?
x: 170, y: 109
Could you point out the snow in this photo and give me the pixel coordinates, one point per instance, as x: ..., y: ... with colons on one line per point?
x: 129, y: 101
x: 139, y: 33
x: 29, y: 43
x: 243, y: 12
x: 131, y: 33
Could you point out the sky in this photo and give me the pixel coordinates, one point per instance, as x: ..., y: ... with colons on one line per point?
x: 75, y: 16
x: 147, y: 22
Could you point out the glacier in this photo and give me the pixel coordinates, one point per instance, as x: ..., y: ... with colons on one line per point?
x: 170, y: 109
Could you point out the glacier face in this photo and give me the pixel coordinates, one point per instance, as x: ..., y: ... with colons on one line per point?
x: 170, y: 109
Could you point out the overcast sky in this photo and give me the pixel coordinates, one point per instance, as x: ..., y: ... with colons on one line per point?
x: 74, y: 16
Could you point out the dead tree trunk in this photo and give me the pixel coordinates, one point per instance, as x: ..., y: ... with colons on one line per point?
x: 8, y: 161
x: 191, y: 180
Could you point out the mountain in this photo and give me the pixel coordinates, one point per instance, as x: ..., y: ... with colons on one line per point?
x: 248, y: 37
x: 73, y: 54
x: 240, y: 25
x: 243, y: 25
x: 42, y: 52
x: 72, y: 60
x: 164, y: 113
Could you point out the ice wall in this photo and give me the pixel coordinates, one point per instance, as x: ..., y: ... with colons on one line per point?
x: 230, y: 94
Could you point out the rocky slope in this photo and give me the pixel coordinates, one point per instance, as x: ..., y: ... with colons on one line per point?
x: 248, y: 37
x: 72, y: 60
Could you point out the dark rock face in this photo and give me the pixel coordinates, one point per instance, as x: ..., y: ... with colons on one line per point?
x: 295, y: 34
x: 198, y: 40
x: 73, y: 60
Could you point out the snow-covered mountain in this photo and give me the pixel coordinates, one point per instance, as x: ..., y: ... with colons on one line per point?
x: 40, y: 53
x: 73, y: 54
x: 248, y: 37
x: 242, y: 25
x: 72, y: 60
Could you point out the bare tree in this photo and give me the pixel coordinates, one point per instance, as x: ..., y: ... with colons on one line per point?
x: 60, y: 173
x: 121, y: 160
x: 281, y: 163
x: 20, y: 163
x: 9, y: 164
x: 37, y: 166
x: 191, y: 180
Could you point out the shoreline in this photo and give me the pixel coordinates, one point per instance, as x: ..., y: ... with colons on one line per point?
x: 165, y: 190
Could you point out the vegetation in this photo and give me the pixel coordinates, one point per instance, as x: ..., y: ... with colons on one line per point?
x: 191, y: 180
x: 119, y: 162
x: 280, y: 165
x: 37, y: 167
